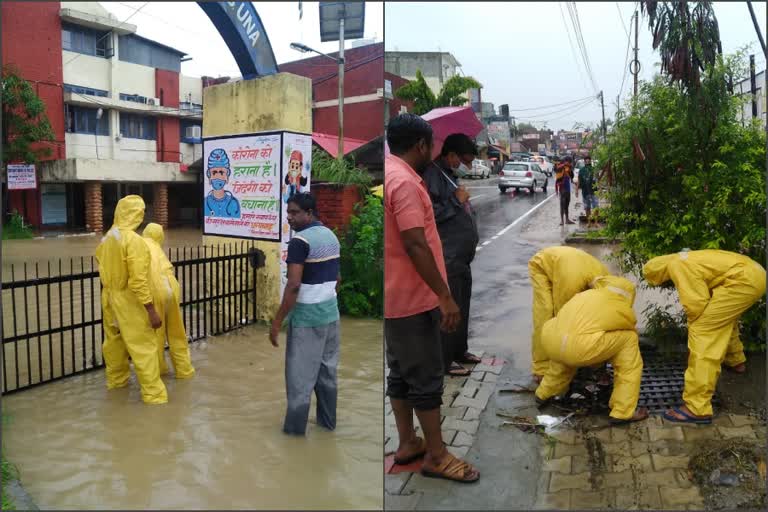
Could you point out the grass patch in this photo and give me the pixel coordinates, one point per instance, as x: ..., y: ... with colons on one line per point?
x: 8, y: 473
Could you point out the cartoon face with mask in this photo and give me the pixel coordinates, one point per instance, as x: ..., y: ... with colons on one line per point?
x: 294, y: 181
x: 220, y: 202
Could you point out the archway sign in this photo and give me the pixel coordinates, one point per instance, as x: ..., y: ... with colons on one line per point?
x: 243, y: 32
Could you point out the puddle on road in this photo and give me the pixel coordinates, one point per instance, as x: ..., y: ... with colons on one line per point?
x: 217, y: 444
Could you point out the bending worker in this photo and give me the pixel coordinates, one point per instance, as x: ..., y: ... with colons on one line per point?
x: 557, y: 274
x: 715, y: 288
x: 129, y: 316
x: 167, y: 293
x: 595, y: 327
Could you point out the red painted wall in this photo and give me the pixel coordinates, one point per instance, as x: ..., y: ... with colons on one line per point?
x: 31, y: 41
x: 168, y: 129
x: 335, y: 204
x: 363, y: 74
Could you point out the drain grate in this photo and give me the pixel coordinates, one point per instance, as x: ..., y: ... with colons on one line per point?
x: 661, y: 386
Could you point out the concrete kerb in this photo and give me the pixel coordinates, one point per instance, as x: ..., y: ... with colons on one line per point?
x: 21, y: 499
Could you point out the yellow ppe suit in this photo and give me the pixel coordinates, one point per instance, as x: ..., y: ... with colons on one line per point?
x: 557, y: 274
x: 167, y: 296
x: 594, y: 327
x: 124, y: 269
x: 715, y: 288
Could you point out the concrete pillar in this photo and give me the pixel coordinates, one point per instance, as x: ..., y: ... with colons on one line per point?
x: 94, y: 212
x: 277, y: 102
x: 160, y: 204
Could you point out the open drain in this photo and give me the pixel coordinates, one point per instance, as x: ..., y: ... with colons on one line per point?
x: 660, y: 388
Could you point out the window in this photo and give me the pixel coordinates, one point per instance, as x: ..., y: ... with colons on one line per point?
x: 186, y: 123
x: 133, y: 97
x: 83, y: 120
x: 85, y: 90
x: 85, y: 40
x: 138, y: 127
x: 185, y: 105
x: 138, y: 50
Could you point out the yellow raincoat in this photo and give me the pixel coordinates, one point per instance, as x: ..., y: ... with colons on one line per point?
x: 715, y: 289
x: 557, y: 274
x: 594, y: 327
x: 124, y: 269
x: 167, y: 294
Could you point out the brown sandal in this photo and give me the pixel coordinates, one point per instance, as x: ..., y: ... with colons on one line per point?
x: 453, y: 469
x: 414, y: 456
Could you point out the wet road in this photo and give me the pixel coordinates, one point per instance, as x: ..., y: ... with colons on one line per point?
x: 217, y: 444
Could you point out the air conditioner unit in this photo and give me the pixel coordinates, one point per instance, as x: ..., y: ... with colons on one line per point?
x: 194, y: 132
x: 153, y: 101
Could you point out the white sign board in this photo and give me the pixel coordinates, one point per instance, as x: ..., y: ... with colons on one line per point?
x: 22, y: 177
x: 297, y: 167
x: 242, y: 186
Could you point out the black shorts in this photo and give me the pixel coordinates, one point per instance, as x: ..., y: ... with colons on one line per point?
x: 565, y: 201
x: 415, y: 359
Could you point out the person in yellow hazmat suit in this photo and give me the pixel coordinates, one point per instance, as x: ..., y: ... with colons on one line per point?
x: 594, y: 327
x: 715, y: 289
x: 167, y: 294
x: 129, y: 315
x: 557, y: 274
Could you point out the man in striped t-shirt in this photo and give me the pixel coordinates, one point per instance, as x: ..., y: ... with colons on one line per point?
x: 312, y: 349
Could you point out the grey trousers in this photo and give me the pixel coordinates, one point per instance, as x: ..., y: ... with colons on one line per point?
x: 311, y: 360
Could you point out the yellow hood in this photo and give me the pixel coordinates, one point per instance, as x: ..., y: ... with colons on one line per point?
x: 618, y: 285
x: 154, y: 232
x: 129, y: 213
x: 656, y: 271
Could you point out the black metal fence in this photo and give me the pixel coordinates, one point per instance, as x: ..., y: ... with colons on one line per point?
x: 52, y: 312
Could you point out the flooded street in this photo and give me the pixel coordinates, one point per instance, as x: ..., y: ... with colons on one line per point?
x: 217, y: 444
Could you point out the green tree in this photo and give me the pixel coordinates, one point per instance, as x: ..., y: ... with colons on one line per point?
x: 424, y: 100
x: 687, y: 36
x: 24, y: 120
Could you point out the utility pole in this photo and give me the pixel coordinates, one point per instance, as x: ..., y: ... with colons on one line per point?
x: 341, y: 88
x: 757, y: 28
x: 602, y: 106
x: 753, y: 85
x: 636, y: 62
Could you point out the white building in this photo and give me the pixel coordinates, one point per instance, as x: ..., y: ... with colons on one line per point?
x: 131, y: 122
x: 744, y: 90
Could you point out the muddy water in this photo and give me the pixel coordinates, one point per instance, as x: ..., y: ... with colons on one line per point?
x: 217, y: 444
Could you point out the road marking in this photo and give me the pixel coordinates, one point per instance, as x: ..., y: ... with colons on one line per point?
x: 486, y: 243
x: 526, y: 214
x: 478, y: 197
x: 494, y: 237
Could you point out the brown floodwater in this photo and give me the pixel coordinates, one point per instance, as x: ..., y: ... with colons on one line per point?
x: 217, y: 443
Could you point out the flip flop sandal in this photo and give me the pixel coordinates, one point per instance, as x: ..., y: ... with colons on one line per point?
x: 457, y: 370
x: 452, y: 469
x: 733, y: 369
x: 618, y: 422
x: 469, y: 358
x: 413, y: 456
x: 688, y: 418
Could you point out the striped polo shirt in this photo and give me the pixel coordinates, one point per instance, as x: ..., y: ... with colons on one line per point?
x: 317, y: 248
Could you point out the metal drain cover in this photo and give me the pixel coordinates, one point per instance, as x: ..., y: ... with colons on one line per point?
x: 660, y: 388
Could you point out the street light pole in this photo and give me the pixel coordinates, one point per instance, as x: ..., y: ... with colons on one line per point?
x: 341, y: 89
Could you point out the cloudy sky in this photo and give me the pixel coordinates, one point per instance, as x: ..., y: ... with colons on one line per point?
x: 520, y: 51
x: 183, y: 25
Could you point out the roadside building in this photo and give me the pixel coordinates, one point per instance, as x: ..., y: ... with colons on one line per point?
x: 125, y: 120
x: 744, y: 90
x: 437, y: 67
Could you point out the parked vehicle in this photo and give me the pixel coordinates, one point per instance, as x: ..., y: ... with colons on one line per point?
x: 479, y: 170
x: 519, y: 175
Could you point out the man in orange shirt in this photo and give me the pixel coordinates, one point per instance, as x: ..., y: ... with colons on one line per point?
x: 417, y: 302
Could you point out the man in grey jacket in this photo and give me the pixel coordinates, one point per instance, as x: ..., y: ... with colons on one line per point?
x: 458, y: 234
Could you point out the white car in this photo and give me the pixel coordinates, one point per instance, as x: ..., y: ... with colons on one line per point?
x: 519, y: 175
x: 544, y: 162
x: 479, y: 169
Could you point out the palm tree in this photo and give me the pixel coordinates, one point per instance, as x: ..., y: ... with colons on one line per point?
x: 424, y: 100
x: 687, y: 37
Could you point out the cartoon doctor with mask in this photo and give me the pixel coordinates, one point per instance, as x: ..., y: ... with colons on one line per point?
x: 220, y: 202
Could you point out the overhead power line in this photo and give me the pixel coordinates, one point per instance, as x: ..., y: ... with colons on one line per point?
x: 565, y: 112
x: 549, y: 106
x: 570, y: 43
x: 574, y: 14
x: 626, y: 64
x: 621, y: 17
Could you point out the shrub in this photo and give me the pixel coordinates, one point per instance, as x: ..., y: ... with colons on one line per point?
x: 688, y: 174
x: 362, y: 261
x: 16, y: 228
